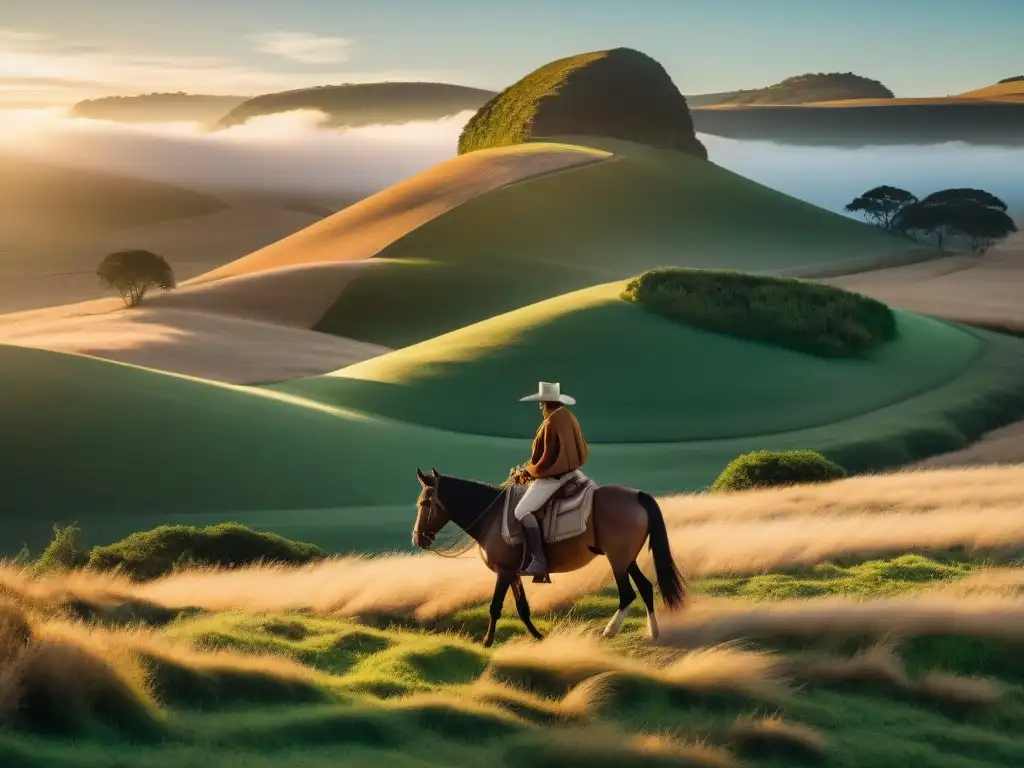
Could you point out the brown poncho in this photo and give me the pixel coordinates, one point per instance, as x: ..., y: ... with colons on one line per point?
x: 559, y: 446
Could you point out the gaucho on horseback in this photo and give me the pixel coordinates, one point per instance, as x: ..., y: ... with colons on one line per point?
x: 559, y: 451
x: 582, y: 522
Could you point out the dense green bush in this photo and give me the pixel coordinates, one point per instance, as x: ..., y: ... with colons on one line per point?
x: 805, y: 316
x: 150, y: 554
x: 154, y: 553
x: 768, y: 469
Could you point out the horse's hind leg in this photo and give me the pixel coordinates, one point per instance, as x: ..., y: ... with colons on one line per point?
x: 501, y: 585
x: 626, y: 598
x: 523, y: 606
x: 646, y: 590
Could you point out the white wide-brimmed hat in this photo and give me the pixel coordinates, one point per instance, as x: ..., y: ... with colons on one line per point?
x: 549, y: 392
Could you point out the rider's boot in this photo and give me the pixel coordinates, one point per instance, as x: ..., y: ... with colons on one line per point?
x: 538, y: 567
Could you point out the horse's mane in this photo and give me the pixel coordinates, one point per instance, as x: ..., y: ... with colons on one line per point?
x: 466, y: 500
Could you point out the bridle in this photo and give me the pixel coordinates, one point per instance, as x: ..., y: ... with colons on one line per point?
x: 417, y: 531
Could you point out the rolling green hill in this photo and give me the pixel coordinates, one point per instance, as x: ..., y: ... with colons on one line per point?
x: 590, y: 225
x: 355, y: 104
x: 120, y: 448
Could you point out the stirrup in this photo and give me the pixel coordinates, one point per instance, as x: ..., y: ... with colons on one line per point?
x: 543, y: 577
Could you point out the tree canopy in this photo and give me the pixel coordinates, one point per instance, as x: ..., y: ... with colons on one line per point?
x: 133, y: 273
x: 881, y: 205
x: 975, y: 215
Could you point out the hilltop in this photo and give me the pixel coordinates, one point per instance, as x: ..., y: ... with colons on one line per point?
x: 800, y: 89
x: 619, y: 93
x: 158, y: 108
x: 1015, y: 79
x: 357, y: 104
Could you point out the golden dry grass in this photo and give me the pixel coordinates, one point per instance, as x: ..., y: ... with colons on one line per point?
x: 765, y: 735
x: 711, y: 534
x: 925, y: 613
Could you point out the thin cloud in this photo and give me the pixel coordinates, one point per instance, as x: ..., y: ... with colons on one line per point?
x: 303, y: 47
x: 40, y: 69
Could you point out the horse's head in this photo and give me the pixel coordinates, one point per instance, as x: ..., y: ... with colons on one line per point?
x: 431, y: 516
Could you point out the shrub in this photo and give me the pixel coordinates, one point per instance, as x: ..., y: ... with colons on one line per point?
x: 155, y: 553
x: 768, y: 469
x: 801, y: 315
x: 63, y: 553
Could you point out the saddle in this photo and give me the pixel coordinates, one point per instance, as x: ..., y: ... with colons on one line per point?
x: 565, y: 515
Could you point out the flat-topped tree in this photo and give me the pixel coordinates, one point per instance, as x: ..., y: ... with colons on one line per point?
x: 881, y: 205
x: 619, y: 93
x: 974, y: 214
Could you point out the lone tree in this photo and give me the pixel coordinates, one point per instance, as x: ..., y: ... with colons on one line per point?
x: 133, y: 273
x: 881, y: 205
x: 974, y: 214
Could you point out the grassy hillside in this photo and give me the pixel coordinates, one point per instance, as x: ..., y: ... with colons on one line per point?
x: 586, y: 226
x: 355, y: 104
x: 638, y: 377
x: 820, y: 86
x: 619, y: 93
x: 871, y: 629
x: 158, y: 108
x: 135, y: 448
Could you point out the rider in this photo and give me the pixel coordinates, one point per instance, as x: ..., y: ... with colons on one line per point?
x: 558, y: 450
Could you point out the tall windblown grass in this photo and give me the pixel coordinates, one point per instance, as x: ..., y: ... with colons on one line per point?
x: 711, y: 534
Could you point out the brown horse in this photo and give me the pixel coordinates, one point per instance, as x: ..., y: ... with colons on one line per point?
x: 621, y: 521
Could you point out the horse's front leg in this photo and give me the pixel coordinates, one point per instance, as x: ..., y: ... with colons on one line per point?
x: 504, y: 581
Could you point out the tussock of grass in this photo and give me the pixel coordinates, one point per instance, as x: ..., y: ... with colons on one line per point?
x: 776, y: 737
x: 585, y: 674
x: 879, y: 668
x: 603, y: 749
x: 51, y: 684
x: 808, y: 317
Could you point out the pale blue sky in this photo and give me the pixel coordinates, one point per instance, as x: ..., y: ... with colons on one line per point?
x: 56, y: 48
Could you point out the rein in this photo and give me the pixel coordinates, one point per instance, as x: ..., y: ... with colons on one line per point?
x: 434, y: 501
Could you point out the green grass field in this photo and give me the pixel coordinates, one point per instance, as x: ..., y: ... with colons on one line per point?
x: 587, y: 226
x: 217, y: 690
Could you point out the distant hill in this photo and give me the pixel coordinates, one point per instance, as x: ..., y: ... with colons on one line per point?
x: 356, y: 104
x: 1017, y: 79
x: 620, y: 94
x: 158, y: 108
x: 44, y: 204
x: 800, y: 89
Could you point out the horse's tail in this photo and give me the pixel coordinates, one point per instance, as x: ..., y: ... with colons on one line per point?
x: 670, y: 580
